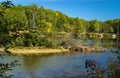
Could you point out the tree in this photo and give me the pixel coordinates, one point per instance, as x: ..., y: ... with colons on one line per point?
x: 48, y: 28
x: 111, y: 26
x: 7, y: 4
x: 15, y: 19
x: 79, y: 26
x: 62, y: 23
x: 31, y: 12
x: 94, y: 26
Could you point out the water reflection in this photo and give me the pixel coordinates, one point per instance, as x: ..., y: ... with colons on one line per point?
x: 68, y: 65
x: 33, y: 63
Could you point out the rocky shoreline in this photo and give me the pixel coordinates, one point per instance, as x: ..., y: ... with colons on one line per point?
x: 86, y: 48
x: 81, y: 47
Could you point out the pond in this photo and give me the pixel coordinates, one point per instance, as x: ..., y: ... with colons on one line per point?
x: 62, y: 65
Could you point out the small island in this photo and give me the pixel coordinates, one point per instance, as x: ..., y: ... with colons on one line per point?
x: 67, y: 46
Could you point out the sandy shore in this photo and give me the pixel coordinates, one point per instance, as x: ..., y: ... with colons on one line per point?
x: 36, y: 51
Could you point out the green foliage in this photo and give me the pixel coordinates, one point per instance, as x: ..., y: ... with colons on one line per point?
x: 48, y: 42
x: 94, y: 26
x: 111, y: 30
x: 31, y: 39
x: 15, y: 19
x: 114, y: 26
x: 79, y: 26
x: 12, y: 20
x: 26, y: 25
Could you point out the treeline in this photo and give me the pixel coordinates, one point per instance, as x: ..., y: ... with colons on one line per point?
x: 28, y: 25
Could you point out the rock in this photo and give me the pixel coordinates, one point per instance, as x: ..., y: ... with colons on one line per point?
x: 68, y: 43
x: 75, y: 46
x: 85, y: 48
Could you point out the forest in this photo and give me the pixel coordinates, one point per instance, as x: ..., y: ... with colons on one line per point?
x: 34, y: 25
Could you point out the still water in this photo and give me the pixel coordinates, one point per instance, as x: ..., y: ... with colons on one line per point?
x: 62, y: 65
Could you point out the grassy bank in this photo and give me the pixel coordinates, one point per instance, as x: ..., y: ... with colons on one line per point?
x: 35, y: 50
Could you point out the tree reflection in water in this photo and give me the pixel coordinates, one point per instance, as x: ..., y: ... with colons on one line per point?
x: 6, y: 67
x: 32, y: 63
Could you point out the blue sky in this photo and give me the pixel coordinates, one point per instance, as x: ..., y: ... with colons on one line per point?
x: 86, y: 9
